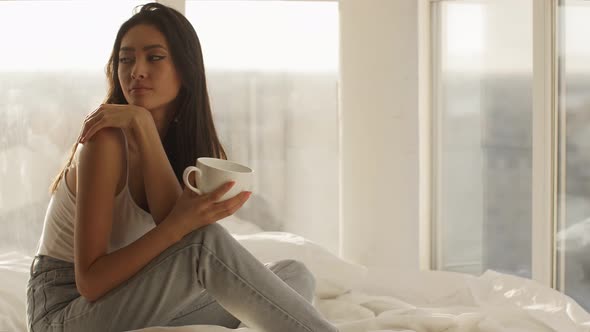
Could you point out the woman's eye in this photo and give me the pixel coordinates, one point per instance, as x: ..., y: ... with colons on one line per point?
x: 156, y: 57
x: 125, y: 60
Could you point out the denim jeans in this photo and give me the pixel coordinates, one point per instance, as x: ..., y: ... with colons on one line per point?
x: 206, y: 278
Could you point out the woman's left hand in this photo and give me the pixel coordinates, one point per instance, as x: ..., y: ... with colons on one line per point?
x: 111, y: 115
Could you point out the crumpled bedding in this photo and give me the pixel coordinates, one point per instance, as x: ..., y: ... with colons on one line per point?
x: 357, y: 298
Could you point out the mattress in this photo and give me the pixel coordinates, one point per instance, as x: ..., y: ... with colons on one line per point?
x: 357, y: 298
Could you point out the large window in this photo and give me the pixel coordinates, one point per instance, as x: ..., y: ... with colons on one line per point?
x: 573, y: 237
x: 482, y: 110
x: 491, y: 59
x: 272, y: 80
x: 51, y: 75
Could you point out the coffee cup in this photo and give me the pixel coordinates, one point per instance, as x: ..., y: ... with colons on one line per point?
x: 211, y: 173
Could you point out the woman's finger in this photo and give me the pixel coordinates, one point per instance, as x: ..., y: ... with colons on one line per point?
x: 89, y: 123
x: 237, y: 199
x: 231, y: 203
x: 81, y: 133
x: 91, y: 114
x: 230, y: 206
x: 215, y: 195
x: 95, y: 128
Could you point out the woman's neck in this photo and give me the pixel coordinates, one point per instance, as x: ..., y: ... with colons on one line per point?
x: 163, y: 117
x: 162, y: 120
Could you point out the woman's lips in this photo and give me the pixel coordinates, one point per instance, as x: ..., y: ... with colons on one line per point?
x: 139, y: 91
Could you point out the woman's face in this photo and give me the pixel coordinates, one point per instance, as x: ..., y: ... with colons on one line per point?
x: 146, y: 71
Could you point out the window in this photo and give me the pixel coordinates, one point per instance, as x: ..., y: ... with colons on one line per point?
x: 482, y: 109
x: 573, y: 229
x: 273, y: 84
x: 485, y: 82
x: 49, y: 84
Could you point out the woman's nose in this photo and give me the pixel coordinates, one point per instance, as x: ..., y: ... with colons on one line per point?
x: 139, y: 70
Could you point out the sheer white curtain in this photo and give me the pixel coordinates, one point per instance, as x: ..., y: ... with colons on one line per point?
x: 273, y: 82
x: 51, y: 75
x: 273, y: 85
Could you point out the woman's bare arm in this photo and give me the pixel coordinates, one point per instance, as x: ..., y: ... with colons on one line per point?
x: 100, y: 168
x: 161, y: 185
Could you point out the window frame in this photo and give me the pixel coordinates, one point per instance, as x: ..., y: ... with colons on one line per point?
x: 545, y: 131
x: 544, y: 137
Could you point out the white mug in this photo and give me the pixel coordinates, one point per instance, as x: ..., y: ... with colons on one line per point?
x: 211, y: 173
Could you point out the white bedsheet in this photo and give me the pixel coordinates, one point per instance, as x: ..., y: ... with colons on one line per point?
x: 359, y: 299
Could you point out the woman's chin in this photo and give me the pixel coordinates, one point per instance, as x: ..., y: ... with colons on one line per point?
x: 140, y: 103
x: 150, y: 106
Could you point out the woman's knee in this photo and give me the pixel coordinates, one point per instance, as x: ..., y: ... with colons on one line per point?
x: 296, y: 275
x: 210, y: 231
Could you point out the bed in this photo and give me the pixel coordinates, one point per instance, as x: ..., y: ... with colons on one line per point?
x: 356, y: 298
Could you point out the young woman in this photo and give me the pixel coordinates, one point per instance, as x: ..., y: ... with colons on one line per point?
x: 124, y: 246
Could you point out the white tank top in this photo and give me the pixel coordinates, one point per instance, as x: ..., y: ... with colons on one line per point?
x: 130, y: 222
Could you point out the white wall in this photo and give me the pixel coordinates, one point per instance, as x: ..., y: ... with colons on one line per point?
x: 380, y: 63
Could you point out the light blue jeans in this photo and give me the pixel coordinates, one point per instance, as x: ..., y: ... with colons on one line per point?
x: 206, y: 278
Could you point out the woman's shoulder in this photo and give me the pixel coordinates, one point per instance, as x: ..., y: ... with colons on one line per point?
x: 103, y: 151
x: 105, y: 146
x: 111, y: 139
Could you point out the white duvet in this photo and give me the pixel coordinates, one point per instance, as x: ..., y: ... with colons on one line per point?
x: 359, y: 299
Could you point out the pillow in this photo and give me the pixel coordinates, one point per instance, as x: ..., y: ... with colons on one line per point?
x: 235, y: 225
x: 334, y: 276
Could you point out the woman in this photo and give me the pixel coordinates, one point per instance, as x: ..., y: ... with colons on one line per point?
x: 123, y: 246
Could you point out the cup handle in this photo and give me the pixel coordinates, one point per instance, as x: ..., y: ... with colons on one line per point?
x: 185, y: 175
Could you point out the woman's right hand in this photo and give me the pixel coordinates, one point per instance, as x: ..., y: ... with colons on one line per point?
x: 193, y: 211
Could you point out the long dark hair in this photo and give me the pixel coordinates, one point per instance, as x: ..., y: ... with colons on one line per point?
x: 192, y: 133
